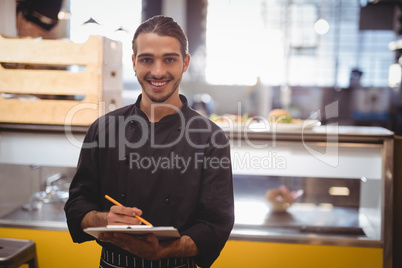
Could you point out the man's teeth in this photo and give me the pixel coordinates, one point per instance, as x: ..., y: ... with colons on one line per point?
x: 158, y: 84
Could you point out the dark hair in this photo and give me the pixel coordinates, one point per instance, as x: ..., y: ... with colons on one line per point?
x: 163, y: 26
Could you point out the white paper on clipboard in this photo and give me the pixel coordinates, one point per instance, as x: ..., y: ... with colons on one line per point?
x: 162, y: 232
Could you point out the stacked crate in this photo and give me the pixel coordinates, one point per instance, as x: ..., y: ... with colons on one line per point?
x: 58, y: 82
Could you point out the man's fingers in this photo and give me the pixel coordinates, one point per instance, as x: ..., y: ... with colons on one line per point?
x: 114, y: 219
x: 123, y: 215
x: 129, y: 211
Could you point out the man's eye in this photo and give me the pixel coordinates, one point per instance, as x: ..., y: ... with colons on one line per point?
x: 146, y: 60
x: 170, y: 60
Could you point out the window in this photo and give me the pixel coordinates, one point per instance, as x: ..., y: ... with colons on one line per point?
x: 275, y: 40
x: 116, y: 20
x: 244, y: 41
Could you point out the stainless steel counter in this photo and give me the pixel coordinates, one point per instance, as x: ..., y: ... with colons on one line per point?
x: 299, y: 225
x: 49, y: 217
x: 320, y: 133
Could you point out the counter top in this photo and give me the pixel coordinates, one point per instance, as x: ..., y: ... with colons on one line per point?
x: 326, y: 133
x: 53, y: 221
x: 49, y: 217
x: 295, y: 226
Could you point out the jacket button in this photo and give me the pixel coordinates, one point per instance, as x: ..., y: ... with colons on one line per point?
x: 167, y: 200
x: 123, y: 196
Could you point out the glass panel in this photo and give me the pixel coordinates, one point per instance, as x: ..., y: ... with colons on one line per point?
x: 275, y: 40
x: 297, y: 188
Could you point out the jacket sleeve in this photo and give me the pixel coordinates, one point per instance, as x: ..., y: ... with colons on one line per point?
x: 84, y: 194
x: 215, y: 210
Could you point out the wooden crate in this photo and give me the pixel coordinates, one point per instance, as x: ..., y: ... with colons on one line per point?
x: 59, y: 82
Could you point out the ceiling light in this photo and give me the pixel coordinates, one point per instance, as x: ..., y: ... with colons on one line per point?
x: 321, y: 26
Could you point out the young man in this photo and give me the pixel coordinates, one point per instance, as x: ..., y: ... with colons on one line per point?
x: 161, y: 160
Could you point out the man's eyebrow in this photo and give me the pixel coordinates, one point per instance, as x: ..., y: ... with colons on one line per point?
x: 172, y: 54
x: 145, y: 55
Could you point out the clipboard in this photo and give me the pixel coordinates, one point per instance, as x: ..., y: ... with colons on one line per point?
x: 162, y: 232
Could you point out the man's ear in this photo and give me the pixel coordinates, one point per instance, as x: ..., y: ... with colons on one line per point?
x: 186, y: 62
x: 133, y: 60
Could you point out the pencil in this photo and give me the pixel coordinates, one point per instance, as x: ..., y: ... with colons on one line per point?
x: 118, y: 204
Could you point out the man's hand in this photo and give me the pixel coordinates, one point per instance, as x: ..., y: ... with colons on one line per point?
x: 123, y: 216
x: 117, y: 215
x: 147, y: 247
x: 281, y: 198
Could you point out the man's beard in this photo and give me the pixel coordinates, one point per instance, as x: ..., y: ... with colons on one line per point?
x: 162, y: 98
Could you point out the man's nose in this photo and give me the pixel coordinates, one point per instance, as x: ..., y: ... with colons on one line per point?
x: 158, y: 71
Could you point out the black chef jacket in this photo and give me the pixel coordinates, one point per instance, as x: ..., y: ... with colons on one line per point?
x: 177, y: 171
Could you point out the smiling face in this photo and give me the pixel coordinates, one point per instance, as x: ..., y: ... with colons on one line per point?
x: 159, y: 66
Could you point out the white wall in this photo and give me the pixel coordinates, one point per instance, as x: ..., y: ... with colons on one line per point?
x: 177, y: 10
x: 8, y: 18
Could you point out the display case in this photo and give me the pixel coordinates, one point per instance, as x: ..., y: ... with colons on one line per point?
x: 341, y: 178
